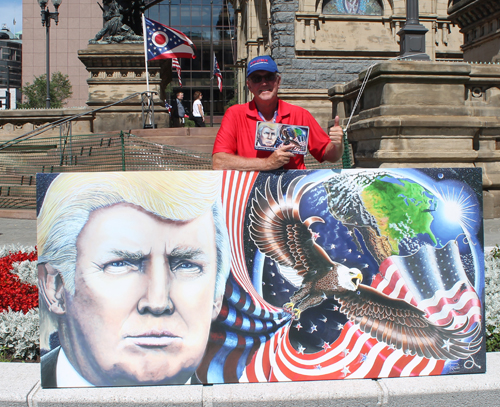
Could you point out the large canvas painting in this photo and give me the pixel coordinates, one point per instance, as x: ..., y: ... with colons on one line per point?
x: 230, y: 277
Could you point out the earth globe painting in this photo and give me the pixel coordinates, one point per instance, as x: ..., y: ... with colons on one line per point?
x: 361, y: 273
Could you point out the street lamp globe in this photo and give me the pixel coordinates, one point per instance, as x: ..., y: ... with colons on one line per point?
x: 42, y: 3
x: 56, y: 3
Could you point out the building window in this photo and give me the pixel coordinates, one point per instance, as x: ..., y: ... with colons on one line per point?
x: 359, y: 7
x: 216, y: 33
x: 6, y: 54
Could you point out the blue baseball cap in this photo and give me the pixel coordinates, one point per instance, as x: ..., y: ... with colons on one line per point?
x: 263, y: 63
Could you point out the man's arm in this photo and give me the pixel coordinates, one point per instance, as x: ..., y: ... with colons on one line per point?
x: 227, y: 161
x: 335, y: 148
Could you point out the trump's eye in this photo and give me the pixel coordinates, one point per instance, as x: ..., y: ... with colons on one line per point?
x: 185, y: 266
x: 121, y: 267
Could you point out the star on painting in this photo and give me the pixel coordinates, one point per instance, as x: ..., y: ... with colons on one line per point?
x: 391, y: 347
x: 326, y: 346
x: 314, y: 328
x: 298, y: 326
x: 315, y: 235
x: 446, y: 344
x: 324, y: 319
x: 345, y: 370
x: 346, y: 352
x: 332, y: 246
x: 364, y: 357
x: 317, y: 367
x: 301, y: 349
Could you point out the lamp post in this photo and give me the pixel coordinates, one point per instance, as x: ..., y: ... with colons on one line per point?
x: 412, y: 43
x: 46, y: 17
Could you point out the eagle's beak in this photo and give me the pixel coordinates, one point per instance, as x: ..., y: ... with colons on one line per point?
x: 357, y: 279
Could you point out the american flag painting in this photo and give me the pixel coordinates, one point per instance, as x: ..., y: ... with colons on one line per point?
x: 350, y: 274
x: 252, y: 277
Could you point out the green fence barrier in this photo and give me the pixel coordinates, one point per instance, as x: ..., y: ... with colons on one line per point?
x: 20, y: 163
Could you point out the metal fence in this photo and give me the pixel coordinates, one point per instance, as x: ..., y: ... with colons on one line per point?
x: 20, y: 162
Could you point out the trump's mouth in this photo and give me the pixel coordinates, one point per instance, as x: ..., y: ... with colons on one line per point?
x: 154, y: 339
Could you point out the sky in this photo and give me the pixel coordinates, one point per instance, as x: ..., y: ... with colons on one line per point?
x: 10, y: 9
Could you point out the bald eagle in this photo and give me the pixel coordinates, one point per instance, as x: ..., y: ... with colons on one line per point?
x: 279, y: 233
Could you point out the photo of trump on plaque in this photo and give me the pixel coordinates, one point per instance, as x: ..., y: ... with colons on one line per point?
x: 270, y: 136
x: 266, y: 135
x: 132, y: 272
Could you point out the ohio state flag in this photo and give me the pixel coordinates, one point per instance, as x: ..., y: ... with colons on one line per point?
x: 163, y: 42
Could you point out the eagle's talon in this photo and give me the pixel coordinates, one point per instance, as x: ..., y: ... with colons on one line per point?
x: 296, y: 313
x: 288, y: 306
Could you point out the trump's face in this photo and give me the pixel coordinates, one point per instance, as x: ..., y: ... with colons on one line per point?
x: 267, y: 137
x: 144, y: 297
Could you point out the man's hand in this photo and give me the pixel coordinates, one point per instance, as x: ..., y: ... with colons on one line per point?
x: 336, y: 133
x: 280, y: 157
x: 226, y: 161
x: 335, y: 149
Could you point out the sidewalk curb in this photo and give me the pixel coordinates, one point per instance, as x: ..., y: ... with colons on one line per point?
x: 18, y: 214
x: 20, y: 386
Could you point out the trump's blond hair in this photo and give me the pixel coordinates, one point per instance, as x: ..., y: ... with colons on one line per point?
x: 180, y: 196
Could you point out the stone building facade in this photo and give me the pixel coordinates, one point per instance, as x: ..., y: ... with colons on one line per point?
x: 479, y: 21
x: 320, y: 43
x: 79, y: 20
x: 10, y: 68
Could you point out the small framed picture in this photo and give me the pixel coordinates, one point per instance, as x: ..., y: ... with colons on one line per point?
x: 270, y: 136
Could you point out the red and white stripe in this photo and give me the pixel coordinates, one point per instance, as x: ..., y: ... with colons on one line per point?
x: 236, y: 189
x: 177, y: 66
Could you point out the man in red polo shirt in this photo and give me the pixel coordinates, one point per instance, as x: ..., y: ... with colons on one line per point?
x: 234, y: 147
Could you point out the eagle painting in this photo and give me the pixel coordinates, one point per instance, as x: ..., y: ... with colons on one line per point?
x: 278, y: 231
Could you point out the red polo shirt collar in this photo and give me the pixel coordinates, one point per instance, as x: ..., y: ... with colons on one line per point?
x: 283, y: 111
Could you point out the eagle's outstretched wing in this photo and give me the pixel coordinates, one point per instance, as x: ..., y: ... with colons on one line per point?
x: 279, y: 233
x: 398, y: 323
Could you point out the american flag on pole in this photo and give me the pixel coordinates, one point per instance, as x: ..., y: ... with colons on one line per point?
x: 218, y: 74
x: 163, y: 42
x: 177, y: 66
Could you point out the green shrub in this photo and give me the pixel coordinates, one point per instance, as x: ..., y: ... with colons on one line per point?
x: 189, y: 123
x: 492, y: 299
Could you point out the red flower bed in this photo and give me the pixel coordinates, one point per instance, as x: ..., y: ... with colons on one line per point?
x: 14, y: 293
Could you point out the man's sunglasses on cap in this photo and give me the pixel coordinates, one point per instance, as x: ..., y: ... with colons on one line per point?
x: 269, y: 77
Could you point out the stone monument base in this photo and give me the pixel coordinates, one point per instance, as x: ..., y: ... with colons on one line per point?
x: 117, y: 71
x: 427, y: 114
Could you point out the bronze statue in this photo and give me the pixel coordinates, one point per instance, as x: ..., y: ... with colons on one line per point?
x: 122, y: 21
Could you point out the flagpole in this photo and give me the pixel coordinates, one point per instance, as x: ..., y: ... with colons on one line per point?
x: 211, y: 64
x: 145, y: 50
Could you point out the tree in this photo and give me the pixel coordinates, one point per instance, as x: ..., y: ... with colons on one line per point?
x: 35, y: 94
